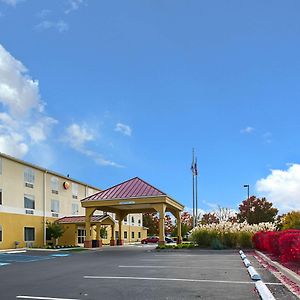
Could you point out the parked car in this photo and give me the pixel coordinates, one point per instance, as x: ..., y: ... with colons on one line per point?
x: 169, y: 240
x: 155, y: 239
x: 151, y: 239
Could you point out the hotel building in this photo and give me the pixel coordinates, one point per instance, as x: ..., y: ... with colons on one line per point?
x: 31, y: 196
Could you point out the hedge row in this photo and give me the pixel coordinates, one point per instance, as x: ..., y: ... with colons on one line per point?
x: 283, y: 244
x: 222, y: 240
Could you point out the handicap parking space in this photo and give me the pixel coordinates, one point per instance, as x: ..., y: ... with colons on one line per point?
x: 136, y: 273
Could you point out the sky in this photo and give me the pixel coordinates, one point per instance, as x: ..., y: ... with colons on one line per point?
x: 108, y: 90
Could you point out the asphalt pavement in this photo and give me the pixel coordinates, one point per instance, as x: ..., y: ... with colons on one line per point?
x: 134, y: 272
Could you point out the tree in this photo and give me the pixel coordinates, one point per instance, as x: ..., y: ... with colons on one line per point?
x: 54, y: 231
x: 225, y: 214
x: 151, y: 221
x: 291, y: 220
x: 209, y: 218
x: 255, y: 210
x: 186, y: 224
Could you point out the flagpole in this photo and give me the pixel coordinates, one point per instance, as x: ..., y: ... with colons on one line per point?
x: 196, y: 175
x: 193, y: 178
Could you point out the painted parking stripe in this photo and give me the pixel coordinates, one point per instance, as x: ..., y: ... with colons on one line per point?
x: 44, y: 298
x: 60, y: 255
x: 184, y: 261
x: 174, y: 279
x: 184, y: 267
x: 4, y: 264
x: 193, y: 255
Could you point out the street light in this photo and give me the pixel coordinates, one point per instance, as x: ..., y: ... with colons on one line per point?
x: 247, y: 186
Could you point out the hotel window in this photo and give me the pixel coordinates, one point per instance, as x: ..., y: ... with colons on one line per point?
x: 29, y: 202
x: 139, y: 234
x: 74, y: 190
x: 29, y: 234
x: 125, y: 234
x: 0, y: 196
x: 125, y: 220
x: 132, y: 220
x: 0, y: 233
x: 75, y: 209
x: 54, y: 185
x: 55, y: 206
x: 116, y: 235
x: 139, y: 222
x: 132, y: 234
x: 29, y: 177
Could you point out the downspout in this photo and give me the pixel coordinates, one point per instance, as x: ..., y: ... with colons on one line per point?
x: 44, y: 212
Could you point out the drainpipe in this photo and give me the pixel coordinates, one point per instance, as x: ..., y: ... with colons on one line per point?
x: 44, y: 212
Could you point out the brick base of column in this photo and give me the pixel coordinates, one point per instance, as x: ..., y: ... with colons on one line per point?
x: 87, y: 244
x: 120, y: 242
x: 99, y: 242
x: 160, y: 243
x: 112, y: 243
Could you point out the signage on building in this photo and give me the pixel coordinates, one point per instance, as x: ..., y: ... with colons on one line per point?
x: 127, y: 202
x: 66, y: 185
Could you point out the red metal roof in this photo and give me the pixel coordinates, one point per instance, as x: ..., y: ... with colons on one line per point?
x: 81, y: 219
x: 132, y: 188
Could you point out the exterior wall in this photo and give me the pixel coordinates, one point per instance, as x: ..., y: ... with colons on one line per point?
x: 13, y: 229
x: 14, y: 216
x: 70, y: 235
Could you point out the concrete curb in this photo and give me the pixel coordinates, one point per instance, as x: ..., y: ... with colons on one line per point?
x: 253, y: 273
x: 263, y: 291
x: 287, y: 272
x: 19, y: 250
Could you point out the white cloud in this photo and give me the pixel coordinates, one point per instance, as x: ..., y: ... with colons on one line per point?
x: 123, y: 128
x: 60, y: 26
x: 12, y: 2
x: 22, y: 120
x: 77, y: 136
x: 282, y: 188
x: 73, y: 5
x: 247, y: 130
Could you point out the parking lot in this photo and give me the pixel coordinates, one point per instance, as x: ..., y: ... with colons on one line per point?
x: 132, y: 272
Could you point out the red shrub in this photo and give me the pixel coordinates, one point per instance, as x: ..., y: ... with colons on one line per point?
x: 289, y: 245
x: 283, y: 244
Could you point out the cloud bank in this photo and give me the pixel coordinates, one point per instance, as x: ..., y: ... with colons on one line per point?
x: 282, y: 188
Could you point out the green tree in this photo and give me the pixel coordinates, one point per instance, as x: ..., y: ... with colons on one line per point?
x: 186, y: 224
x: 291, y: 220
x: 255, y: 210
x: 151, y: 221
x: 209, y: 218
x: 54, y: 231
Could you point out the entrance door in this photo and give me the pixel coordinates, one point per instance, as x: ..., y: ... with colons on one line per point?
x: 81, y: 236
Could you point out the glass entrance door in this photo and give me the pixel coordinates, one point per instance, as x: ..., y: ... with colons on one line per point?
x: 81, y: 236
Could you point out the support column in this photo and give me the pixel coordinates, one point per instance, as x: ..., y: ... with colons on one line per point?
x: 88, y: 239
x: 161, y: 209
x: 178, y: 221
x: 121, y: 215
x: 112, y: 239
x: 98, y: 237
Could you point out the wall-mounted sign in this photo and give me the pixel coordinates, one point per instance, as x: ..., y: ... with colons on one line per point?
x: 127, y: 202
x: 66, y: 185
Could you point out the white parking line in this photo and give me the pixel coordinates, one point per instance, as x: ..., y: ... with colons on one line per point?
x: 184, y: 261
x: 193, y: 255
x: 44, y: 298
x: 176, y: 267
x: 173, y: 279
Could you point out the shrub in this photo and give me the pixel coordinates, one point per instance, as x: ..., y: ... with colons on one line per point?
x: 216, y: 244
x: 291, y: 220
x: 244, y: 240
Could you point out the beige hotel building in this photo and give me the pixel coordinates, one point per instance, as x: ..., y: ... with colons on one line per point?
x: 31, y: 196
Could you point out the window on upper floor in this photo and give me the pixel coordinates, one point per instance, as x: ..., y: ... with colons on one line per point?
x: 29, y: 177
x: 0, y: 233
x: 75, y: 208
x: 74, y: 190
x: 29, y: 202
x: 139, y: 234
x: 132, y: 234
x: 139, y: 222
x: 125, y: 234
x: 54, y: 184
x: 132, y: 220
x: 0, y: 196
x: 29, y: 234
x: 55, y: 206
x: 125, y: 219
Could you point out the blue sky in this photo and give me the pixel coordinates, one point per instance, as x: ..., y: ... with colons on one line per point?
x: 108, y: 90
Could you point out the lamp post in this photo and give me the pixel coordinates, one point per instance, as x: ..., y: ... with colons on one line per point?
x: 247, y: 186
